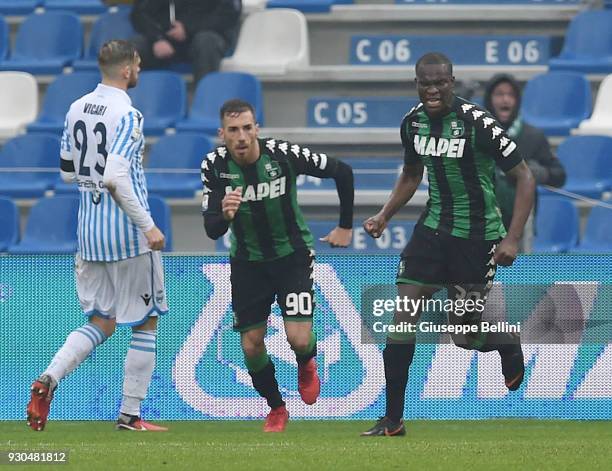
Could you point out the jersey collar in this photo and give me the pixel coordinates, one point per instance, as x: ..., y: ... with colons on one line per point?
x: 117, y: 92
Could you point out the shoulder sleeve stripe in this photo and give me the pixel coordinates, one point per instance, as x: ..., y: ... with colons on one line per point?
x: 66, y: 138
x: 118, y: 133
x: 508, y: 150
x: 126, y: 135
x: 323, y: 161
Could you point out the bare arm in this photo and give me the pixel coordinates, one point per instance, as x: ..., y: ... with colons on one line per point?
x: 523, y: 204
x: 405, y: 187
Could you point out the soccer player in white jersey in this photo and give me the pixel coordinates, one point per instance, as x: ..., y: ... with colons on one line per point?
x: 119, y: 271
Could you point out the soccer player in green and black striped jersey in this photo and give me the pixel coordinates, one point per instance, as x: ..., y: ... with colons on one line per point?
x: 460, y: 237
x: 250, y: 186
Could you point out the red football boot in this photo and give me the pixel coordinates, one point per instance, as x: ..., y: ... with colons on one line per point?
x: 276, y: 421
x: 40, y: 402
x: 309, y: 384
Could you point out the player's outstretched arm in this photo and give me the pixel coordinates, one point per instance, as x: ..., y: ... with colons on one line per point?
x: 338, y: 237
x: 342, y: 234
x: 405, y: 187
x: 506, y: 251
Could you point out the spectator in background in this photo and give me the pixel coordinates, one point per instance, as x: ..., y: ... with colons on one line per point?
x: 503, y: 99
x: 196, y: 31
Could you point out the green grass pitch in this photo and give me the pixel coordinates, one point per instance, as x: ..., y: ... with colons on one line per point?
x: 321, y: 445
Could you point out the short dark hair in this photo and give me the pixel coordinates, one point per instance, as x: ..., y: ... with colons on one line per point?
x: 116, y: 52
x: 435, y: 58
x: 235, y: 106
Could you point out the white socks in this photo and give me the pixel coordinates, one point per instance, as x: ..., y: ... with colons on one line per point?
x: 138, y: 369
x: 78, y: 345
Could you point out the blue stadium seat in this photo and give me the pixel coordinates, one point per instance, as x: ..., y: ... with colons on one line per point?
x: 181, y: 152
x: 82, y: 7
x: 557, y: 225
x: 46, y: 43
x: 212, y: 91
x: 557, y: 102
x: 18, y: 7
x: 588, y: 44
x: 305, y: 6
x: 4, y: 39
x: 51, y: 227
x: 113, y: 24
x: 597, y: 236
x: 161, y: 96
x: 588, y: 164
x: 31, y: 151
x: 162, y: 216
x: 9, y: 223
x: 59, y: 96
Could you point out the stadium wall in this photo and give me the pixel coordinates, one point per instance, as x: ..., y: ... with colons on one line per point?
x: 200, y: 373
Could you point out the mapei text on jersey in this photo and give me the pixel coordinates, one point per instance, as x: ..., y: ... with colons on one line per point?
x: 273, y: 189
x: 439, y: 146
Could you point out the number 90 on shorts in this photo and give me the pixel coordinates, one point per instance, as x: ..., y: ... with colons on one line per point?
x: 298, y: 304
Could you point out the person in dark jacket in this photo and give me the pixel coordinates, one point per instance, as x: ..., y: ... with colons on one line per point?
x: 503, y: 99
x: 196, y: 31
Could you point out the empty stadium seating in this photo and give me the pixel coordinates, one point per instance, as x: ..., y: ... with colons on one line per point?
x: 19, y: 107
x: 557, y: 225
x: 82, y: 7
x: 38, y: 156
x: 9, y: 223
x: 58, y: 98
x: 161, y: 96
x: 588, y: 164
x: 212, y: 91
x: 600, y: 121
x: 305, y: 6
x: 162, y: 216
x: 46, y: 43
x: 271, y: 42
x: 294, y: 89
x: 588, y: 44
x: 177, y: 153
x: 18, y: 7
x: 597, y: 235
x: 4, y: 39
x: 557, y: 102
x: 249, y: 6
x: 51, y: 227
x: 114, y: 24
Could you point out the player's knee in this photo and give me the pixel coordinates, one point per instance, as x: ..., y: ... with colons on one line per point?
x: 105, y: 325
x: 299, y: 342
x: 252, y: 350
x: 150, y: 324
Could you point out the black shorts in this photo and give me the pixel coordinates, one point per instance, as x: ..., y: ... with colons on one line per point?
x: 466, y: 267
x: 256, y: 285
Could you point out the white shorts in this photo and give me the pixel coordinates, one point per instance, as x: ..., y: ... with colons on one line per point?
x: 129, y: 291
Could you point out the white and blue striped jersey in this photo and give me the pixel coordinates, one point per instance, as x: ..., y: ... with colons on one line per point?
x: 98, y: 124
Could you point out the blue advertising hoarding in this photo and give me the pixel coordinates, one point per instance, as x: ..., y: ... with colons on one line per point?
x: 200, y: 373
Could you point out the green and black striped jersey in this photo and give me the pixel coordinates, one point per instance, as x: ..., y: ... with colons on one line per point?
x: 460, y: 151
x: 269, y: 223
